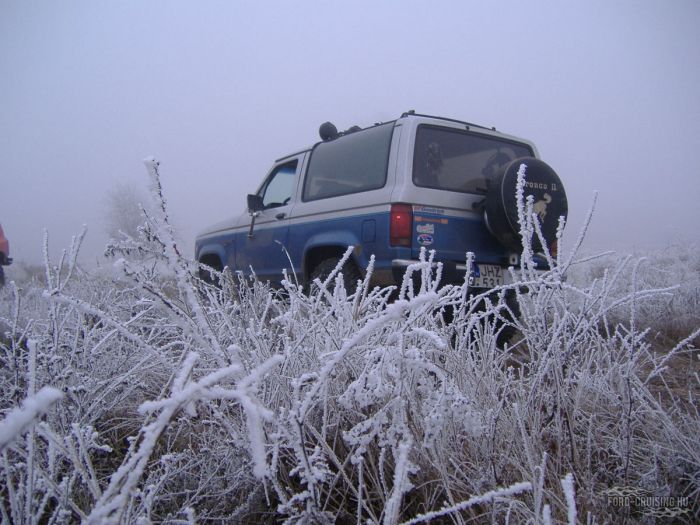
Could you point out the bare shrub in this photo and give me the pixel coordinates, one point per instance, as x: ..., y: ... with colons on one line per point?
x: 124, y: 209
x: 183, y: 401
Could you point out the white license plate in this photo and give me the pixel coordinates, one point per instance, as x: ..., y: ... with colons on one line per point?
x: 487, y: 276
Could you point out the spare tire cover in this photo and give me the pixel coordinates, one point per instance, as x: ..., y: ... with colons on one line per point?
x: 549, y: 198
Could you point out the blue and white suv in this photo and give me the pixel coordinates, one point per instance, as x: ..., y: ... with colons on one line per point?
x: 389, y: 190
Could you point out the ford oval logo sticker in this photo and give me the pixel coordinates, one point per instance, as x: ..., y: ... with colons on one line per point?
x: 425, y: 239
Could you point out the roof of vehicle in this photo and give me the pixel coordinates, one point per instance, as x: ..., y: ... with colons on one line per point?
x: 411, y: 114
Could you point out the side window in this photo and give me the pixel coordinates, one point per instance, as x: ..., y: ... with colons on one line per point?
x: 349, y: 164
x: 278, y: 189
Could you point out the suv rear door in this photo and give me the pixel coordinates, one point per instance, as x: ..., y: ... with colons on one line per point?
x: 451, y: 171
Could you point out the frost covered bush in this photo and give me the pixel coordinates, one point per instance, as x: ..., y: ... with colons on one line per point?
x: 670, y: 316
x: 151, y: 396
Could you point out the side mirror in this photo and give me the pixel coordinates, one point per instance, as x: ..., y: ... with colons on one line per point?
x: 255, y: 203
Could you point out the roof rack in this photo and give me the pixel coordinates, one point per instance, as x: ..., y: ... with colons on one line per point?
x: 413, y: 113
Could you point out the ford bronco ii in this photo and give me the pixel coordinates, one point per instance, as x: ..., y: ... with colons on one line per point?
x: 390, y: 190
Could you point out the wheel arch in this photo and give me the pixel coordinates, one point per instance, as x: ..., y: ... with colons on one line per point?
x: 212, y: 256
x: 329, y: 245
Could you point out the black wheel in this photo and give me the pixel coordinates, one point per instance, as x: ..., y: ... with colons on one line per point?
x: 351, y: 274
x: 208, y: 268
x: 2, y: 277
x: 501, y: 209
x: 505, y: 325
x: 507, y: 330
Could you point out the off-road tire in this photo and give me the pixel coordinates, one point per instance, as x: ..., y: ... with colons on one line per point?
x: 351, y: 274
x: 507, y: 330
x: 206, y: 275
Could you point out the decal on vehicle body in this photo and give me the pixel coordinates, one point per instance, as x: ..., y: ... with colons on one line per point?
x: 425, y: 239
x: 420, y: 218
x: 428, y: 209
x: 425, y: 228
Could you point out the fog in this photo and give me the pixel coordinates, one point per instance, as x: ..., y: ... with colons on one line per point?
x: 608, y: 91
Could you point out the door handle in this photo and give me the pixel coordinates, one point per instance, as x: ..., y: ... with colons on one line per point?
x: 280, y: 216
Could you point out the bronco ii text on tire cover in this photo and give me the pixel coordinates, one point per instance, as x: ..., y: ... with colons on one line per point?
x: 389, y: 190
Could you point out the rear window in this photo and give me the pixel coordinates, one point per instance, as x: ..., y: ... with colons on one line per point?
x: 454, y: 160
x: 349, y: 164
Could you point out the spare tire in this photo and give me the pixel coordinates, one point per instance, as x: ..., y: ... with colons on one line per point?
x: 501, y: 208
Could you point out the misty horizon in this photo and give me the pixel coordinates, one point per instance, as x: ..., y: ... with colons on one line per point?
x: 217, y: 92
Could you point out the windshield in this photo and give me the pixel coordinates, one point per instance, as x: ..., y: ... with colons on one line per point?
x: 454, y: 160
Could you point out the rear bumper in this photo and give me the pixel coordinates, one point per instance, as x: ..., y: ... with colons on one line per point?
x: 452, y: 273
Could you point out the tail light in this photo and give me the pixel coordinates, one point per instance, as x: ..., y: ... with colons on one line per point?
x: 554, y: 247
x: 401, y: 225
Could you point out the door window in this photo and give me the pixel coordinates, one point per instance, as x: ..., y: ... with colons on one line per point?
x: 278, y: 189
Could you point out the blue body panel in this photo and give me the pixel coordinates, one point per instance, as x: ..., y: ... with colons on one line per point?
x: 370, y: 232
x: 451, y: 237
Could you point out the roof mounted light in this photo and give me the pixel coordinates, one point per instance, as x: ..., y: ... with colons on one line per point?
x: 327, y: 131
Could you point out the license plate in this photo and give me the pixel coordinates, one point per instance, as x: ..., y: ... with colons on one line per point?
x: 487, y: 276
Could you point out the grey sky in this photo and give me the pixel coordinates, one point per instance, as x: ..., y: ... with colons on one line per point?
x: 217, y: 90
